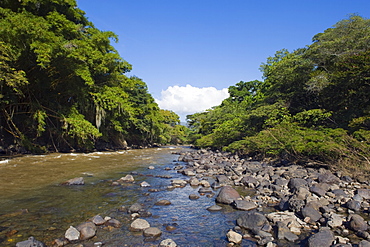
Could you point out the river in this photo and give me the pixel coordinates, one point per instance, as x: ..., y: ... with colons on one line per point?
x: 34, y: 203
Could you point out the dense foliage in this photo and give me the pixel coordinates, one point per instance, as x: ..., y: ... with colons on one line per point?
x: 62, y: 84
x: 313, y: 103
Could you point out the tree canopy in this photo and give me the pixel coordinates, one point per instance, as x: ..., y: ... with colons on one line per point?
x: 313, y: 103
x: 63, y: 85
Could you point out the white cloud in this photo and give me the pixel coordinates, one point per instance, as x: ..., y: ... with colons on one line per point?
x: 189, y: 100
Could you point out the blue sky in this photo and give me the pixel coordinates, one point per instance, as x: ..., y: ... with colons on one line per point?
x: 190, y: 51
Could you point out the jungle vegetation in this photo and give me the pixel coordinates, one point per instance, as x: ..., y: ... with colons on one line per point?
x: 63, y: 86
x: 312, y: 105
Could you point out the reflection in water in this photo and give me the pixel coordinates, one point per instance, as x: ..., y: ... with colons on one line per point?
x: 33, y: 203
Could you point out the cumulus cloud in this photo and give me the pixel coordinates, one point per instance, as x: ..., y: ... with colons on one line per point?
x: 189, y: 100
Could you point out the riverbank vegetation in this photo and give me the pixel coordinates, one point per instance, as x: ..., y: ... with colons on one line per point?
x: 63, y: 86
x: 313, y: 104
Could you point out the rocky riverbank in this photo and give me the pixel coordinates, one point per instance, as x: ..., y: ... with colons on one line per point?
x: 278, y: 204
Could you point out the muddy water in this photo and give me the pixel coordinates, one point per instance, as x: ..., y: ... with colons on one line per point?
x: 33, y: 203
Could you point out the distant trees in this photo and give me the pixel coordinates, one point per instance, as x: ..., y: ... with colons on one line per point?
x: 62, y: 84
x: 314, y: 103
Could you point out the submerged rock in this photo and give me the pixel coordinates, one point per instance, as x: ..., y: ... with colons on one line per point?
x: 31, y: 242
x: 75, y: 181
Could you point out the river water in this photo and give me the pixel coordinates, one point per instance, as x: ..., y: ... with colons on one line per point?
x: 34, y: 203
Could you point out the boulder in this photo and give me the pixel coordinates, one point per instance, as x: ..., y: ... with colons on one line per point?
x: 227, y: 195
x: 72, y: 234
x: 139, y: 225
x: 324, y: 238
x: 234, y: 237
x: 152, y: 232
x: 244, y: 205
x: 30, y: 242
x: 87, y: 230
x: 168, y: 243
x: 252, y: 220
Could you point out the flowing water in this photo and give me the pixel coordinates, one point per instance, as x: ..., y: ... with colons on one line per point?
x: 34, y: 203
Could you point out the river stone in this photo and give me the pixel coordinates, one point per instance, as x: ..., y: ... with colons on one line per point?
x: 317, y: 190
x: 113, y: 222
x: 335, y: 220
x: 283, y: 232
x: 204, y: 190
x: 312, y: 213
x: 144, y: 184
x: 364, y: 243
x: 128, y: 178
x: 152, y: 232
x: 295, y: 183
x: 324, y: 238
x: 244, y: 205
x: 30, y: 242
x: 214, y: 208
x: 252, y: 220
x: 246, y: 180
x: 234, y: 237
x: 87, y: 230
x: 75, y: 181
x: 139, y: 225
x: 193, y: 197
x: 98, y: 220
x: 222, y: 178
x: 72, y: 234
x: 178, y: 182
x: 328, y: 178
x: 135, y: 208
x: 353, y: 205
x: 364, y: 193
x: 193, y: 181
x: 227, y: 195
x: 163, y: 203
x: 357, y: 223
x: 205, y: 183
x: 168, y: 243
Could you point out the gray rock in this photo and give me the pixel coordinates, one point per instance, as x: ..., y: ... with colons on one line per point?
x: 364, y: 193
x: 234, y: 237
x: 244, y: 205
x: 204, y: 190
x: 227, y: 195
x: 353, y: 205
x: 249, y: 180
x: 222, y: 179
x: 364, y: 243
x: 163, y: 203
x: 296, y: 204
x: 167, y: 243
x: 72, y: 234
x: 283, y: 232
x: 317, y: 190
x: 135, y: 208
x: 75, y: 181
x: 357, y: 223
x: 312, y: 213
x: 295, y: 183
x: 214, y: 208
x: 193, y: 197
x: 113, y: 222
x: 128, y: 178
x: 87, y: 230
x: 98, y: 220
x: 31, y: 242
x: 324, y: 238
x: 328, y: 178
x: 152, y: 232
x: 193, y: 181
x: 139, y: 225
x: 252, y: 220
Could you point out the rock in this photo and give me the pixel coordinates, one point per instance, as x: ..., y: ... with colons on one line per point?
x: 324, y: 238
x: 87, y: 230
x: 204, y: 190
x: 205, y: 183
x: 247, y: 180
x: 193, y: 197
x: 317, y: 190
x: 252, y: 220
x: 135, y: 208
x: 227, y: 195
x: 152, y: 232
x: 75, y: 181
x: 222, y: 179
x: 335, y: 220
x: 193, y: 181
x: 364, y: 243
x: 151, y: 167
x: 295, y: 204
x: 244, y: 205
x: 214, y: 208
x: 144, y: 184
x: 328, y: 178
x: 98, y: 220
x: 128, y: 179
x: 139, y: 225
x: 364, y: 193
x: 72, y: 234
x: 31, y: 242
x: 234, y: 237
x: 113, y: 222
x: 178, y: 182
x: 357, y: 223
x: 312, y: 213
x: 353, y: 205
x: 283, y: 232
x: 295, y: 183
x: 163, y: 203
x: 167, y: 243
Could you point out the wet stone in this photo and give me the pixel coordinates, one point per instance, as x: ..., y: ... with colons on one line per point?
x: 72, y: 234
x: 163, y: 203
x: 194, y: 197
x: 214, y: 208
x: 152, y: 232
x: 98, y: 220
x: 244, y: 205
x: 139, y: 225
